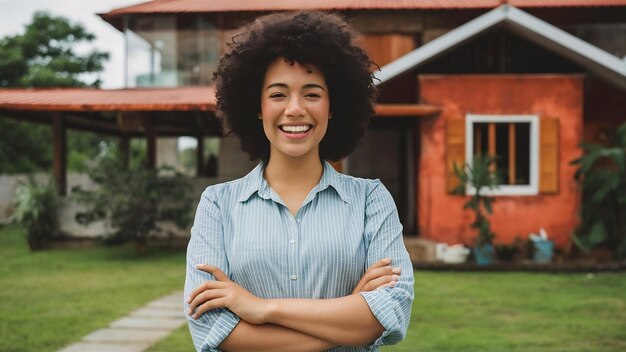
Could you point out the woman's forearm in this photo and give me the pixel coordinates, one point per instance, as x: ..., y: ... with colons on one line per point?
x: 270, y: 337
x: 343, y: 321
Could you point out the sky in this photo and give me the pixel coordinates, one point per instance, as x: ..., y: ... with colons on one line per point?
x: 15, y: 14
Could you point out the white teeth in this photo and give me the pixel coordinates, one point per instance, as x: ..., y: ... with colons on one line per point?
x: 295, y: 129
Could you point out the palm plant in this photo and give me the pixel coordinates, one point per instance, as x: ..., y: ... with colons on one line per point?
x: 602, y: 174
x: 482, y: 178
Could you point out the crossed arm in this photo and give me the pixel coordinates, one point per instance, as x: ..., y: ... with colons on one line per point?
x: 294, y: 324
x: 231, y: 318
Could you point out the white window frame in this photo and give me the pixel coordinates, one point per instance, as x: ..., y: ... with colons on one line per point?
x: 506, y: 190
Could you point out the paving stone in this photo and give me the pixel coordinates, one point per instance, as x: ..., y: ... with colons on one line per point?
x: 126, y: 335
x: 137, y: 331
x: 166, y: 304
x: 176, y: 297
x: 106, y: 347
x: 151, y: 323
x: 148, y: 312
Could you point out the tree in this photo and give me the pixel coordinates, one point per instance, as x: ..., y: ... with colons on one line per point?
x: 43, y: 56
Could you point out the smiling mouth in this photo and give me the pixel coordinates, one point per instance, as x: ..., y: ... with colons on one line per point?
x: 295, y: 129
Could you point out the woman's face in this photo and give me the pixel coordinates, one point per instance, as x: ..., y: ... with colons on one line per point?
x: 294, y: 108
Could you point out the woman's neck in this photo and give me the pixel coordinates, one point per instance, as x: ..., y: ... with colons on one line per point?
x: 283, y: 172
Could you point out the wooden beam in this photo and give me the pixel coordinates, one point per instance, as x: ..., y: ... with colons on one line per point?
x: 512, y: 153
x: 492, y: 144
x: 151, y: 139
x: 200, y: 156
x: 59, y: 152
x: 406, y: 110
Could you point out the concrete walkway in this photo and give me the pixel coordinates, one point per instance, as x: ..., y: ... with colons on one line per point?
x: 137, y: 331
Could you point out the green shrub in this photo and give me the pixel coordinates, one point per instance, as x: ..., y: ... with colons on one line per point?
x: 602, y: 174
x: 133, y: 200
x: 36, y: 207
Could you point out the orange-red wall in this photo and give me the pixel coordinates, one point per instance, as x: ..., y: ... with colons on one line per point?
x: 440, y: 215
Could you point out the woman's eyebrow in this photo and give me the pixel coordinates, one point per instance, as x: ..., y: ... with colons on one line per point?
x: 306, y: 86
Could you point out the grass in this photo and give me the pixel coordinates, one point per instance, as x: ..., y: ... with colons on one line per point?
x: 504, y: 312
x: 49, y: 299
x: 52, y: 298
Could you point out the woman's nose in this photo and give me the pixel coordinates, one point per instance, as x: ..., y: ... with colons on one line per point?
x: 294, y: 107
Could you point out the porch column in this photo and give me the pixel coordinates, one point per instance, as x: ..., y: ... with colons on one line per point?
x: 124, y: 143
x: 200, y: 155
x: 59, y: 152
x: 151, y: 136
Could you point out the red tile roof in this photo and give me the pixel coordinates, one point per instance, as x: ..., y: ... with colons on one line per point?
x: 154, y: 99
x: 76, y: 99
x: 186, y: 6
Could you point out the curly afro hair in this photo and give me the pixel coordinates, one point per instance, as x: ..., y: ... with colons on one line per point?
x: 307, y: 37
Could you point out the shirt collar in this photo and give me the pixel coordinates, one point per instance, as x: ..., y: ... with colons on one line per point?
x: 254, y: 182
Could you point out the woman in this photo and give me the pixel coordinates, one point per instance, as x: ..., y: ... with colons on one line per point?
x: 277, y: 259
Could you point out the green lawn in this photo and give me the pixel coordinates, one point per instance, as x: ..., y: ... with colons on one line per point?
x: 504, y: 312
x: 51, y: 298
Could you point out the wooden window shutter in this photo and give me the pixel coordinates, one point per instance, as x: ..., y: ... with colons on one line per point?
x: 455, y: 151
x: 548, y: 155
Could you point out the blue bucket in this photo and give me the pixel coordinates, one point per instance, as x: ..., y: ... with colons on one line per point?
x: 543, y: 251
x: 484, y: 254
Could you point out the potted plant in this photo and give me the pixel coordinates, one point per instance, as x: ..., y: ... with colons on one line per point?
x: 482, y: 178
x: 602, y: 174
x: 36, y: 207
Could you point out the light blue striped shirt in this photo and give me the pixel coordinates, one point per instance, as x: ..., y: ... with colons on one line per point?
x: 344, y: 225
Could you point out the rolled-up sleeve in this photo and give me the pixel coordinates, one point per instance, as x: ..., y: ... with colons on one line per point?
x: 383, y: 231
x: 206, y: 246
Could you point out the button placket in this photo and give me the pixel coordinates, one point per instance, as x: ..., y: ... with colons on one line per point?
x: 294, y: 263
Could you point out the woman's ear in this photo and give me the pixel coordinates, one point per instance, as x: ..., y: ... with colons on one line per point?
x: 260, y: 116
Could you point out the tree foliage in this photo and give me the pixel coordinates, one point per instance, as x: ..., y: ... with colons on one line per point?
x: 602, y: 174
x: 43, y: 56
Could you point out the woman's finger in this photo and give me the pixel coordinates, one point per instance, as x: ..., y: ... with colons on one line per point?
x: 210, y: 305
x: 381, y: 281
x: 380, y: 263
x: 379, y: 272
x: 213, y: 270
x: 390, y: 284
x: 204, y: 297
x: 207, y: 285
x: 371, y: 274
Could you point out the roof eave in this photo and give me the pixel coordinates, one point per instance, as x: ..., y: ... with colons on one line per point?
x: 596, y: 60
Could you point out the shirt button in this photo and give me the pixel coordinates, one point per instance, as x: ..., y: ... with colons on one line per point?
x: 298, y: 219
x: 294, y: 277
x: 292, y: 241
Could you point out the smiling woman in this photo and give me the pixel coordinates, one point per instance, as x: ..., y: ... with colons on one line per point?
x: 296, y: 256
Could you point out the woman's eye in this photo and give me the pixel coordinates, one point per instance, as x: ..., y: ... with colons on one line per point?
x: 312, y: 95
x: 277, y: 95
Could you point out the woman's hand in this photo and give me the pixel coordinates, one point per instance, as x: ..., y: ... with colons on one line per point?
x: 224, y: 293
x: 380, y: 274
